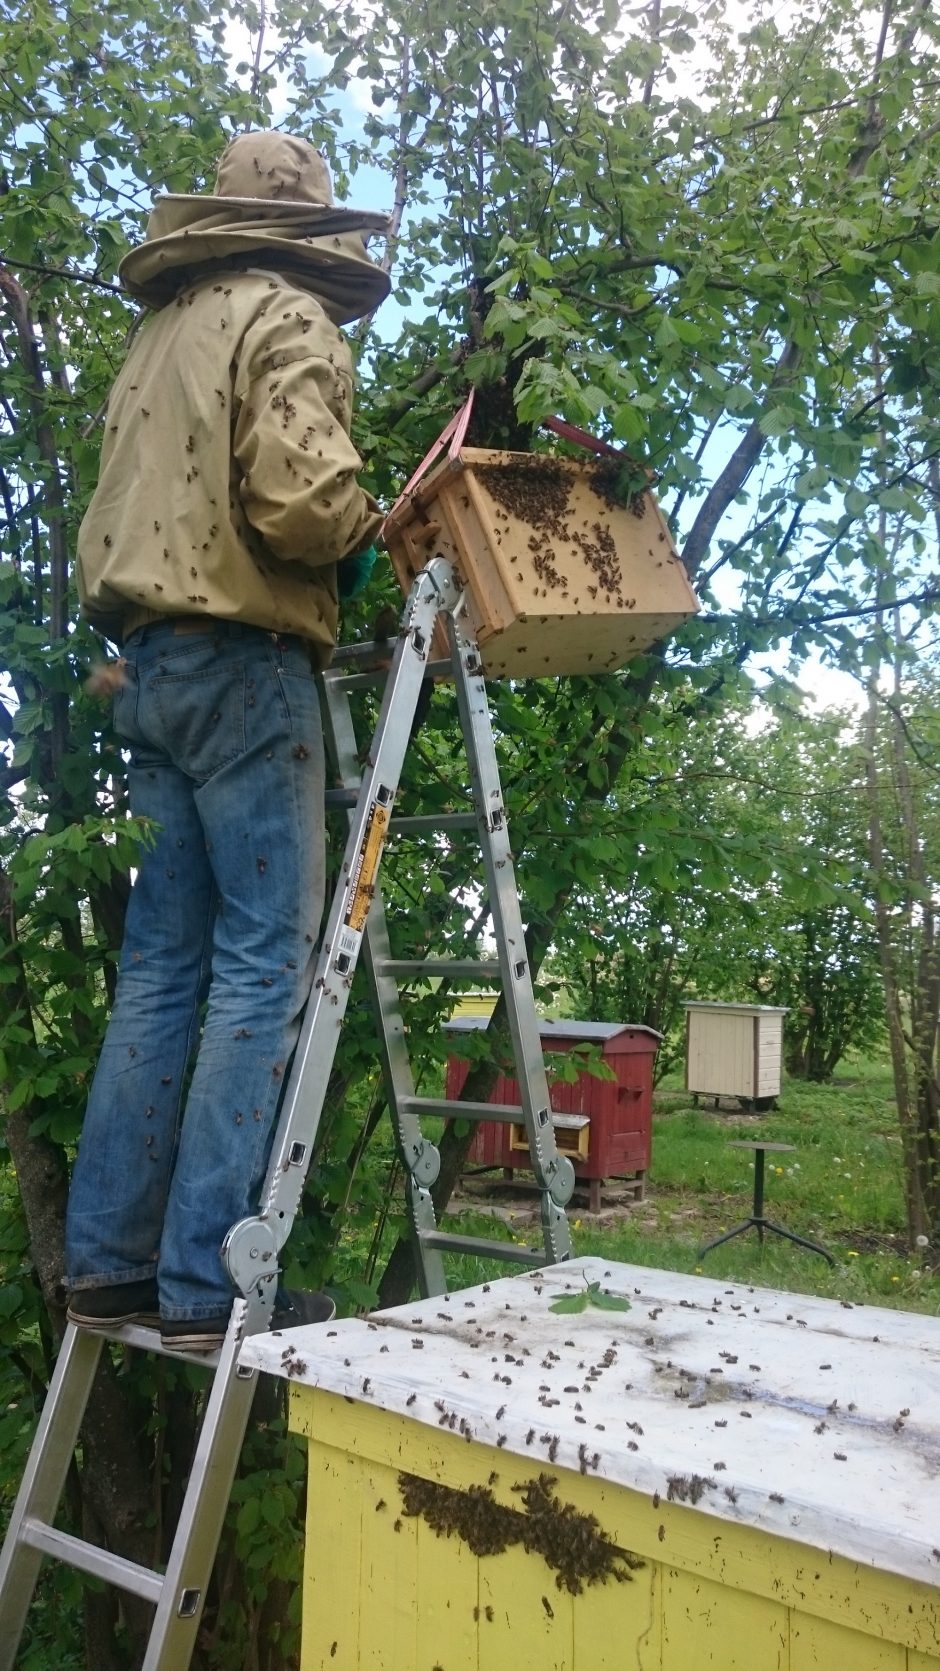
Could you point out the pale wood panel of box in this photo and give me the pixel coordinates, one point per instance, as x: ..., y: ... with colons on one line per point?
x: 560, y: 577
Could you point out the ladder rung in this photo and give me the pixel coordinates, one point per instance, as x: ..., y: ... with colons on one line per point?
x: 481, y: 1245
x: 359, y: 681
x: 425, y: 823
x: 449, y: 968
x: 429, y: 823
x: 504, y: 1112
x: 87, y: 1557
x: 374, y: 655
x: 135, y: 1334
x: 372, y: 676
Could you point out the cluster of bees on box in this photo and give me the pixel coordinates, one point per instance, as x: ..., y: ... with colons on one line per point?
x: 572, y: 1543
x: 537, y: 491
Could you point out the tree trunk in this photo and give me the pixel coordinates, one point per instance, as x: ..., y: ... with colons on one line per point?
x: 904, y: 1092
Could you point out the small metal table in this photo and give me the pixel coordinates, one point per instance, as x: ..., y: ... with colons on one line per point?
x: 757, y: 1219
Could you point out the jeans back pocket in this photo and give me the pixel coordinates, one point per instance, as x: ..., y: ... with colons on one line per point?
x: 197, y: 716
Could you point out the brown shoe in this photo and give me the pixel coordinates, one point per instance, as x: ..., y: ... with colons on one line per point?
x: 193, y: 1334
x: 115, y: 1303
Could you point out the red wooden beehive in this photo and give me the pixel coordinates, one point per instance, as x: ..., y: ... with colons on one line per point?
x: 604, y: 1126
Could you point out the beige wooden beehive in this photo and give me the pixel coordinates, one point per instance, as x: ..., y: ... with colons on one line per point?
x: 561, y: 577
x: 733, y: 1050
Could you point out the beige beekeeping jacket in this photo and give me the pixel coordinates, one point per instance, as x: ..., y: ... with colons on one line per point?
x: 228, y: 480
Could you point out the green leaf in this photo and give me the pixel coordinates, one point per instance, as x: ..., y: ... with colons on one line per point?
x: 249, y: 1517
x: 778, y: 421
x: 610, y: 1302
x: 11, y: 1298
x: 272, y: 1508
x: 570, y: 1303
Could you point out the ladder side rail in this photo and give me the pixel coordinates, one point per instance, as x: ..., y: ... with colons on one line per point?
x: 554, y: 1173
x: 261, y: 1236
x: 419, y: 1157
x: 208, y: 1490
x: 43, y: 1479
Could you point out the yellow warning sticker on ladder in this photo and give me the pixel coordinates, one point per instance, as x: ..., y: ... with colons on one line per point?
x: 367, y: 864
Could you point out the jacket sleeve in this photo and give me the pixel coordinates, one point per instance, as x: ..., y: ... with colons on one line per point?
x: 297, y: 464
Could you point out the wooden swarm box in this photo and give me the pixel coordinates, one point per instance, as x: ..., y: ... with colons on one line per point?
x: 561, y: 578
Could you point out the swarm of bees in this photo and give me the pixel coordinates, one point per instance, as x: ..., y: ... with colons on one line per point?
x: 572, y: 1543
x: 537, y: 491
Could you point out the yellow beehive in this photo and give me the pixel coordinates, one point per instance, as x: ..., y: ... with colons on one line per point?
x: 721, y: 1477
x: 561, y: 577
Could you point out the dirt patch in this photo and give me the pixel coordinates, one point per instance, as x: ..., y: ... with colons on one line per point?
x: 517, y: 1205
x: 870, y: 1241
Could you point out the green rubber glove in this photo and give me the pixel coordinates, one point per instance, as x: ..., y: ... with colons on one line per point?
x: 352, y: 574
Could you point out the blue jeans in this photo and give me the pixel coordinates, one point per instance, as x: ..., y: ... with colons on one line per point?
x: 224, y: 733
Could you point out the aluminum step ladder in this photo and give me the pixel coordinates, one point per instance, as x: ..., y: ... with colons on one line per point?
x: 251, y: 1249
x: 554, y: 1174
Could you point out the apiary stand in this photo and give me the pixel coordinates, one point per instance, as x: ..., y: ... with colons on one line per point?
x: 769, y: 1459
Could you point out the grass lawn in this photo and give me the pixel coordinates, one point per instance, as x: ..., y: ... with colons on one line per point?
x: 842, y: 1187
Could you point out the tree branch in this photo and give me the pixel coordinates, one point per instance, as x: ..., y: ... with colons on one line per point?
x: 736, y: 471
x: 655, y: 18
x: 256, y: 63
x: 928, y: 595
x: 54, y: 505
x: 401, y: 169
x: 68, y: 273
x: 16, y: 544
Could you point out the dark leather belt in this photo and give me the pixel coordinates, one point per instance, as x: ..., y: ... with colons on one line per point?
x: 211, y: 626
